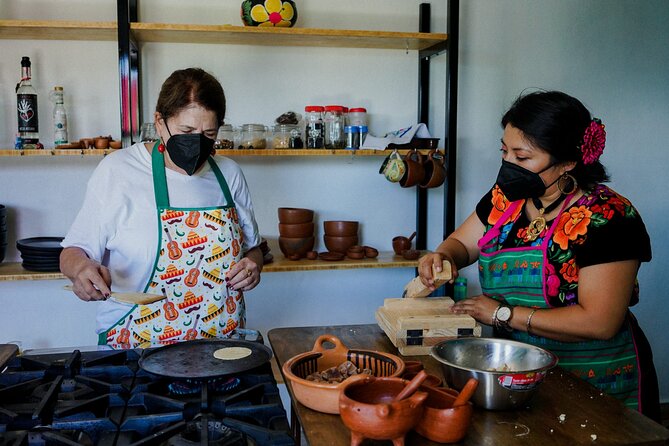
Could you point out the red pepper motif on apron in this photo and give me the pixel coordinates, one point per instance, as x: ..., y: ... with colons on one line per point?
x: 522, y: 276
x: 196, y: 249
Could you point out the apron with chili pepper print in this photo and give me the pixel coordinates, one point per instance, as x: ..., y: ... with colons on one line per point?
x: 196, y: 248
x: 519, y: 276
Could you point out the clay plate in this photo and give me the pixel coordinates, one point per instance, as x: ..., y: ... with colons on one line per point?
x: 331, y: 256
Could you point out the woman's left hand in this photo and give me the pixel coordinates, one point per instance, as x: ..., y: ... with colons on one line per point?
x: 243, y: 276
x: 479, y: 307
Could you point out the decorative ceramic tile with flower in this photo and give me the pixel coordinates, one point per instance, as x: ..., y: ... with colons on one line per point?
x: 281, y: 13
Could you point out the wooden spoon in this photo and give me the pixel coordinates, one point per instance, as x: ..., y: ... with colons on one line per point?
x: 466, y: 392
x: 413, y: 385
x: 130, y: 298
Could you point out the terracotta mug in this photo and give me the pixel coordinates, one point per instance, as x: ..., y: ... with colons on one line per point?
x: 435, y: 171
x: 393, y: 167
x: 415, y: 170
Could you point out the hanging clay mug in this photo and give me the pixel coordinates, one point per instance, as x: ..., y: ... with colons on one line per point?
x: 415, y: 170
x: 281, y: 13
x: 393, y: 167
x: 435, y: 171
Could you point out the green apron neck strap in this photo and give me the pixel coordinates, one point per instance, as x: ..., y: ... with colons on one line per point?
x: 221, y: 181
x: 160, y: 179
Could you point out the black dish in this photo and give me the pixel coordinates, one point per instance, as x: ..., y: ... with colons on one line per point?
x: 40, y: 245
x: 42, y: 269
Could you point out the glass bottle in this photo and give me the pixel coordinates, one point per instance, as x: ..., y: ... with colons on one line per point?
x: 26, y: 107
x: 334, y: 127
x: 59, y: 117
x: 225, y: 140
x: 287, y: 136
x: 314, y: 130
x: 253, y: 136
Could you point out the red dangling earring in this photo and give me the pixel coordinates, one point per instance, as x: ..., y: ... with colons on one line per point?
x: 161, y: 147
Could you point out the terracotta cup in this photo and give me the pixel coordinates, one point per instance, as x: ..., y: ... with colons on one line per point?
x: 446, y: 415
x: 415, y: 171
x: 435, y: 170
x: 401, y: 243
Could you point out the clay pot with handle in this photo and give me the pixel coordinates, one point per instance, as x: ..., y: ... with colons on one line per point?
x: 415, y: 172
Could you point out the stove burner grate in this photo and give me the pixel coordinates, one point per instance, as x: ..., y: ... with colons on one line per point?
x: 193, y: 387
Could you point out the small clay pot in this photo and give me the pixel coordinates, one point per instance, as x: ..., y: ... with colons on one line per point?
x: 115, y: 145
x: 411, y: 254
x: 371, y: 253
x: 444, y: 419
x: 296, y: 230
x: 356, y: 248
x: 339, y: 244
x: 431, y: 380
x: 312, y: 255
x: 295, y: 215
x: 413, y: 367
x: 86, y: 143
x: 368, y: 408
x: 101, y: 143
x: 355, y: 255
x: 435, y: 171
x: 340, y: 228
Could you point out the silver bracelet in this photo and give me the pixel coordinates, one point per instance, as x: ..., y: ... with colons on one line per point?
x: 528, y: 324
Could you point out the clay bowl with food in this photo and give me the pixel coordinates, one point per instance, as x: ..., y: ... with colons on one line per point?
x: 296, y: 230
x: 373, y: 408
x: 295, y: 215
x: 341, y: 228
x: 447, y: 414
x: 339, y: 243
x: 509, y: 372
x: 298, y: 246
x: 323, y: 396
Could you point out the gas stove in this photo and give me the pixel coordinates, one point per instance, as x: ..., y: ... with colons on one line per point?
x: 104, y: 398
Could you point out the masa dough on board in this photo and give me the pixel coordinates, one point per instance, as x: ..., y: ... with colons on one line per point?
x: 230, y: 353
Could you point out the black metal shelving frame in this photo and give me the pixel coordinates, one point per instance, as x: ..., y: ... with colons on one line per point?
x: 130, y: 100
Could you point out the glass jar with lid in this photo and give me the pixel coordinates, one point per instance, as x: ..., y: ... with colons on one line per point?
x: 253, y: 136
x: 314, y: 130
x: 287, y: 136
x: 225, y: 139
x: 334, y: 127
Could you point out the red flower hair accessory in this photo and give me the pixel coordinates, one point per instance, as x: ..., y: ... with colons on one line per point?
x: 594, y: 140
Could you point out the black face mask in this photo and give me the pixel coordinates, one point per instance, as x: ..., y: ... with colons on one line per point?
x: 189, y: 151
x: 517, y: 182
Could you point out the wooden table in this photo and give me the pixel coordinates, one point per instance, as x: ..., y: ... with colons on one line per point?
x: 586, y: 410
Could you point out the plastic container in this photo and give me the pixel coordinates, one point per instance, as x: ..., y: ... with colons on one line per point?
x: 225, y: 139
x: 287, y: 136
x: 357, y: 116
x: 352, y: 137
x: 314, y: 130
x: 334, y: 127
x: 253, y: 136
x: 362, y: 129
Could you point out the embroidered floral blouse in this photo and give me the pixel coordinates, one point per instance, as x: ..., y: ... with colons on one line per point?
x: 600, y: 227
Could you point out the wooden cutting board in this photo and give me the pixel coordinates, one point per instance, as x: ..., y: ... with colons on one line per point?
x: 414, y: 325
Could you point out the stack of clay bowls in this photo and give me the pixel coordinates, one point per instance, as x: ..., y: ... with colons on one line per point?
x: 340, y: 235
x: 296, y: 232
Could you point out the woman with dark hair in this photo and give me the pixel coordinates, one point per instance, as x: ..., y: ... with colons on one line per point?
x: 202, y: 254
x: 558, y: 251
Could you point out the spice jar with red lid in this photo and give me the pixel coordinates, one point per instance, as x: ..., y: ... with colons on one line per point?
x: 334, y: 127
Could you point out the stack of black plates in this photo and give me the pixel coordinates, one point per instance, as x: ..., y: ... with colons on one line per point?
x: 3, y: 232
x: 40, y: 253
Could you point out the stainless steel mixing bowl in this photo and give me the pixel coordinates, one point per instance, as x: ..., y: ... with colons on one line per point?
x: 509, y: 372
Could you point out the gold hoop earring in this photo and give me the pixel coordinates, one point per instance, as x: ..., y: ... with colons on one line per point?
x: 570, y: 178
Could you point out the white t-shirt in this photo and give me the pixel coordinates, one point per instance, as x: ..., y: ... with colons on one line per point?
x: 118, y: 221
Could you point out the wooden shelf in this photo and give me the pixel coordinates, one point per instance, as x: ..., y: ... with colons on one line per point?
x: 220, y: 34
x: 55, y: 152
x: 242, y: 35
x: 14, y: 271
x: 228, y: 153
x: 57, y: 30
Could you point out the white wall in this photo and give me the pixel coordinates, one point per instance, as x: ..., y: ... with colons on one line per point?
x: 612, y: 54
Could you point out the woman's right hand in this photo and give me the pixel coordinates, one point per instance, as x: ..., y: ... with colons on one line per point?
x: 435, y: 259
x: 90, y: 280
